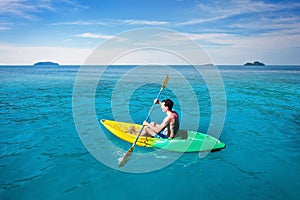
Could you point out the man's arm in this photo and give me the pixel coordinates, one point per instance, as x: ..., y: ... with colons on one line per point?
x: 158, y: 127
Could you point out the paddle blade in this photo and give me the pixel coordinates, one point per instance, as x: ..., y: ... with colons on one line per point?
x: 165, y: 82
x: 126, y: 157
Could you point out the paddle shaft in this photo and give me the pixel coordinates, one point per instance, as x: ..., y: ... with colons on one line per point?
x: 150, y: 111
x: 129, y: 152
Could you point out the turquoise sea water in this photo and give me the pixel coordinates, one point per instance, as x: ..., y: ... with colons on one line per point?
x: 42, y: 155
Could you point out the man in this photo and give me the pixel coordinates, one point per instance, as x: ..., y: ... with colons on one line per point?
x: 169, y: 126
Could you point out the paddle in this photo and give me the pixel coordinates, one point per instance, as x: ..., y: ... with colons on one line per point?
x: 129, y: 152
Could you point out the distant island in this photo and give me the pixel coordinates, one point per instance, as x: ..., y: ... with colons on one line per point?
x: 46, y: 63
x: 256, y: 63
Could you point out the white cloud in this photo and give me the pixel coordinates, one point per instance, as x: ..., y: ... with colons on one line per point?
x: 110, y: 22
x: 280, y: 25
x: 81, y: 22
x: 28, y: 9
x: 94, y: 36
x: 229, y: 49
x: 100, y: 36
x: 233, y: 42
x: 269, y: 48
x: 144, y: 22
x: 3, y: 27
x: 217, y: 10
x: 199, y: 21
x: 216, y: 38
x: 20, y: 55
x: 230, y: 8
x: 24, y: 8
x: 262, y: 41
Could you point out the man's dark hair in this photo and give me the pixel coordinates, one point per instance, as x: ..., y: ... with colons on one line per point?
x: 169, y: 103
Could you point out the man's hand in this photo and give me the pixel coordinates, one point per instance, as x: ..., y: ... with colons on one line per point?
x: 145, y: 123
x: 156, y: 101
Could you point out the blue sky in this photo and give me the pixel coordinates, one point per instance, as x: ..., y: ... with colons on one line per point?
x: 231, y: 32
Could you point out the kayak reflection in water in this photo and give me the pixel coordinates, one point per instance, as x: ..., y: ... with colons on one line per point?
x: 169, y: 126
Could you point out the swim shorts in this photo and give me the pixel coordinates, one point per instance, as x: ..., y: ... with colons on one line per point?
x: 161, y: 135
